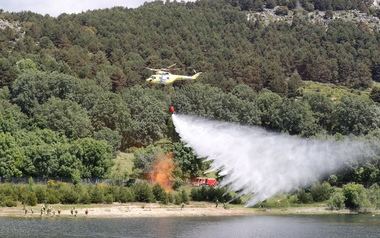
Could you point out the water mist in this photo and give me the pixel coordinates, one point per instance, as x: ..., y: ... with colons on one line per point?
x: 262, y: 163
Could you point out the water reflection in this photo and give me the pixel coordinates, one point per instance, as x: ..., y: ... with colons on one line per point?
x: 198, y: 227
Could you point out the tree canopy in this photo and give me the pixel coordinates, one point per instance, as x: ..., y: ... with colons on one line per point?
x: 73, y: 89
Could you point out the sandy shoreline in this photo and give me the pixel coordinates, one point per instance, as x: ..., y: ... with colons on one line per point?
x: 156, y: 210
x: 127, y: 210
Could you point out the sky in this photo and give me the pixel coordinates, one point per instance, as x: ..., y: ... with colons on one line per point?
x: 56, y: 7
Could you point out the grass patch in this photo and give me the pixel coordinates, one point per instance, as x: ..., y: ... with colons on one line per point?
x: 334, y: 92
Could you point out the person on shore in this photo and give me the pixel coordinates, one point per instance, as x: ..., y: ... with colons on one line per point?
x: 182, y: 206
x: 26, y: 211
x: 216, y: 203
x: 72, y: 211
x: 59, y: 212
x: 31, y: 211
x: 86, y: 212
x: 42, y: 211
x: 76, y: 212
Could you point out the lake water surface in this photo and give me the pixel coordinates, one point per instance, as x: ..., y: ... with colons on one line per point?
x: 198, y: 227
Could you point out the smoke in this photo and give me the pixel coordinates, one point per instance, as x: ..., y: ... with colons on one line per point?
x: 162, y: 171
x: 262, y: 163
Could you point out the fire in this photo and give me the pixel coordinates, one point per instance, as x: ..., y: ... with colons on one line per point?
x: 162, y: 171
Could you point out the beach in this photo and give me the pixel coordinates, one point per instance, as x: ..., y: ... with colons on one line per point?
x: 195, y: 209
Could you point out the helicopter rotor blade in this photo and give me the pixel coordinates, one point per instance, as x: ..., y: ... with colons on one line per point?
x: 152, y: 69
x: 172, y: 69
x: 172, y: 66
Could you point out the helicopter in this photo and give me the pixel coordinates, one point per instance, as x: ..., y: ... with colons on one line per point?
x: 164, y: 77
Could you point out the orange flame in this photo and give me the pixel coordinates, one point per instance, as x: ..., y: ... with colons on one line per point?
x: 162, y: 171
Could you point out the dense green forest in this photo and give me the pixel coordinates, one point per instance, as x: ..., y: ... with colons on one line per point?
x: 73, y: 91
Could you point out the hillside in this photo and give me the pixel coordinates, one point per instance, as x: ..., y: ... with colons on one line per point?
x: 210, y: 36
x: 73, y: 92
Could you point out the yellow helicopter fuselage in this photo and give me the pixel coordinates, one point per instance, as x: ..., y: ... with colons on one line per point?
x: 166, y: 78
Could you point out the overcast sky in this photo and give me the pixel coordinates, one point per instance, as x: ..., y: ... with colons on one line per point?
x: 56, y: 7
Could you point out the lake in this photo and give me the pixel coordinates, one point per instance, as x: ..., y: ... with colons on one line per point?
x: 198, y: 227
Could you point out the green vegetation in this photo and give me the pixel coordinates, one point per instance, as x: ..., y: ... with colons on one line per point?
x: 333, y: 92
x: 65, y: 193
x: 308, y: 5
x: 73, y: 94
x: 122, y: 167
x: 352, y: 196
x: 211, y: 194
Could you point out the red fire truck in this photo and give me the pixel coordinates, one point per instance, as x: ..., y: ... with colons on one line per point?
x: 203, y: 181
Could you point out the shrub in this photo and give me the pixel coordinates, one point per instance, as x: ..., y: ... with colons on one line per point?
x: 196, y: 195
x: 281, y: 11
x: 276, y: 202
x: 304, y: 197
x: 97, y: 195
x: 236, y: 199
x: 355, y: 196
x: 375, y: 94
x: 333, y: 179
x: 85, y: 197
x: 9, y: 202
x: 321, y: 192
x: 17, y: 192
x: 210, y: 194
x: 184, y: 197
x: 40, y: 193
x: 177, y: 183
x: 68, y: 195
x: 30, y: 199
x: 374, y: 195
x: 52, y: 196
x: 308, y: 7
x: 177, y: 199
x: 170, y: 198
x: 143, y: 192
x: 108, y: 199
x: 159, y: 193
x: 126, y: 195
x: 114, y: 191
x: 336, y: 201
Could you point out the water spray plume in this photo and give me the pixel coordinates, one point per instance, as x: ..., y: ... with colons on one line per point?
x: 262, y: 163
x: 162, y: 171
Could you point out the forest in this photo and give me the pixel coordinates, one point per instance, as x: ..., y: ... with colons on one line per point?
x: 73, y: 92
x: 308, y: 5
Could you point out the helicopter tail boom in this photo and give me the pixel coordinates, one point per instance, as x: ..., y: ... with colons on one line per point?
x: 195, y: 76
